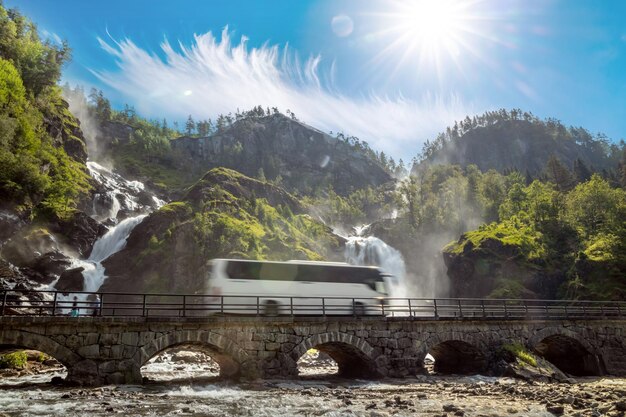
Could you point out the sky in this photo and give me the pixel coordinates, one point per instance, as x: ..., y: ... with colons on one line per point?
x: 393, y: 73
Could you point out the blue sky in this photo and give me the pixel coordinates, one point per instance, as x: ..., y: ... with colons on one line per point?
x: 392, y: 72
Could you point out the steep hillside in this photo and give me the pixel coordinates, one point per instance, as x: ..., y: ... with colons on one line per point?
x: 284, y: 150
x: 518, y: 141
x: 547, y: 244
x: 225, y: 214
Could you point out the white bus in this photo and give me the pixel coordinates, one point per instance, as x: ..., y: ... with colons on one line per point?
x: 296, y: 287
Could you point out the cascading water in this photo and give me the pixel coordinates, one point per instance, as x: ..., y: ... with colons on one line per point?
x: 371, y: 250
x: 115, y: 194
x: 112, y: 242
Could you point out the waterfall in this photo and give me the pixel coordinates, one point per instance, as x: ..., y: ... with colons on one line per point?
x: 112, y: 242
x: 371, y: 250
x: 115, y: 194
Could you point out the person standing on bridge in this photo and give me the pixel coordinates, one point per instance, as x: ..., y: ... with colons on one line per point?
x: 97, y: 304
x: 74, y: 312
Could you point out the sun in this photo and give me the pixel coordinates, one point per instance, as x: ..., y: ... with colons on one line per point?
x: 431, y: 31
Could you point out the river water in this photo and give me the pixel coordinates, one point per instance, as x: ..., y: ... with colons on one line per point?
x: 310, y: 396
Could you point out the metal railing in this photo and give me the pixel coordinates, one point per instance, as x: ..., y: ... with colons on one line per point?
x: 57, y: 303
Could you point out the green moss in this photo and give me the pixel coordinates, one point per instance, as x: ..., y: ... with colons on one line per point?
x: 511, y: 234
x: 177, y: 207
x: 520, y: 352
x: 15, y: 360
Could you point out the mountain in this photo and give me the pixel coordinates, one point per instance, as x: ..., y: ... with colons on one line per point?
x: 515, y: 140
x: 304, y: 158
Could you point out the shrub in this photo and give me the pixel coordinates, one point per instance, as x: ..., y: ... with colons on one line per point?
x: 15, y: 360
x: 521, y: 353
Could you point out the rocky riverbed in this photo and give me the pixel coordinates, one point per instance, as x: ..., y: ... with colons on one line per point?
x: 331, y: 397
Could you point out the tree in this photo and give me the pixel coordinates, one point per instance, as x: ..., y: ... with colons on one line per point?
x: 190, y: 126
x: 558, y: 174
x: 581, y: 172
x: 594, y: 207
x: 102, y: 105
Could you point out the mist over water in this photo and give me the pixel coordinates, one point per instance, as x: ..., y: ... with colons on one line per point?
x: 371, y: 250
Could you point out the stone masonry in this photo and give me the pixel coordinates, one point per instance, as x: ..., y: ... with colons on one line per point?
x: 103, y: 350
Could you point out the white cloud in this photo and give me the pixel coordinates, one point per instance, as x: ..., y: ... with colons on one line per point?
x: 53, y: 37
x: 224, y: 76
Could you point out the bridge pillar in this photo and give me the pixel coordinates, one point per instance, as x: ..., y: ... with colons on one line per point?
x: 93, y: 372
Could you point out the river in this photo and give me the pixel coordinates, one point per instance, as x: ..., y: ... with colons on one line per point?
x: 311, y: 396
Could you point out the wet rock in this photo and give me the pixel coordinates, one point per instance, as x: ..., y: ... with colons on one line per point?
x: 71, y: 280
x: 451, y: 408
x: 620, y: 405
x: 27, y: 245
x: 10, y: 223
x: 555, y: 409
x: 47, y: 266
x: 81, y: 232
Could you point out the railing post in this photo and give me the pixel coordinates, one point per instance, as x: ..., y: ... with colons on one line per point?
x: 584, y: 311
x: 435, y: 305
x: 54, y: 304
x: 143, y: 306
x: 353, y: 308
x: 619, y: 311
x: 602, y: 309
x: 460, y: 309
x: 506, y: 311
x: 547, y: 310
x: 291, y: 305
x: 565, y: 307
x: 525, y: 308
x: 184, y: 306
x: 101, y: 298
x: 4, y: 301
x: 258, y: 306
x: 482, y: 306
x: 323, y: 307
x: 410, y: 309
x: 221, y: 304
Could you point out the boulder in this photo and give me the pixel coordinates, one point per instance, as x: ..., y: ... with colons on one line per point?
x: 80, y: 231
x: 71, y: 280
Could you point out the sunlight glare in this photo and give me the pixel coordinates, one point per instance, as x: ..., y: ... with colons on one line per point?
x: 430, y: 31
x: 431, y: 21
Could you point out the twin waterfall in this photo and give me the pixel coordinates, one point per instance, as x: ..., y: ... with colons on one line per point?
x: 123, y: 204
x: 371, y: 250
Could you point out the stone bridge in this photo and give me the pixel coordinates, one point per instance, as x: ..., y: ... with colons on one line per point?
x: 103, y: 350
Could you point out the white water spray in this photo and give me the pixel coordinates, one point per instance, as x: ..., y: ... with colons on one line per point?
x: 371, y: 250
x: 117, y: 193
x: 112, y: 242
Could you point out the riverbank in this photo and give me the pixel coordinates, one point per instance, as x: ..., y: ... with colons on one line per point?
x: 332, y: 397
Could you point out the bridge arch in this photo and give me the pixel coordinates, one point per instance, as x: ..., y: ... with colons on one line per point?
x: 34, y: 341
x: 455, y: 352
x: 228, y: 355
x: 353, y: 355
x: 567, y: 350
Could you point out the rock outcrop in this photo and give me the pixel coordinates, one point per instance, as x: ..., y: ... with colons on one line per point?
x: 305, y: 158
x: 225, y: 214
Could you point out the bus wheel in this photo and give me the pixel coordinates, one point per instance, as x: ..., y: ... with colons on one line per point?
x: 359, y: 309
x: 270, y: 308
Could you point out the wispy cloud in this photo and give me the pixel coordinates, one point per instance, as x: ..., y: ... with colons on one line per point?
x: 214, y: 76
x: 53, y: 37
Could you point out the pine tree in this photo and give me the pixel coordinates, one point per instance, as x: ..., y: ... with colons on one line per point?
x: 558, y: 174
x: 190, y: 126
x: 581, y: 172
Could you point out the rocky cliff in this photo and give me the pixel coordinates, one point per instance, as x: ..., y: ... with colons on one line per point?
x: 304, y: 159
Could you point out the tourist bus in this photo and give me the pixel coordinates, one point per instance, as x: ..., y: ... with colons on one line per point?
x: 296, y: 287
